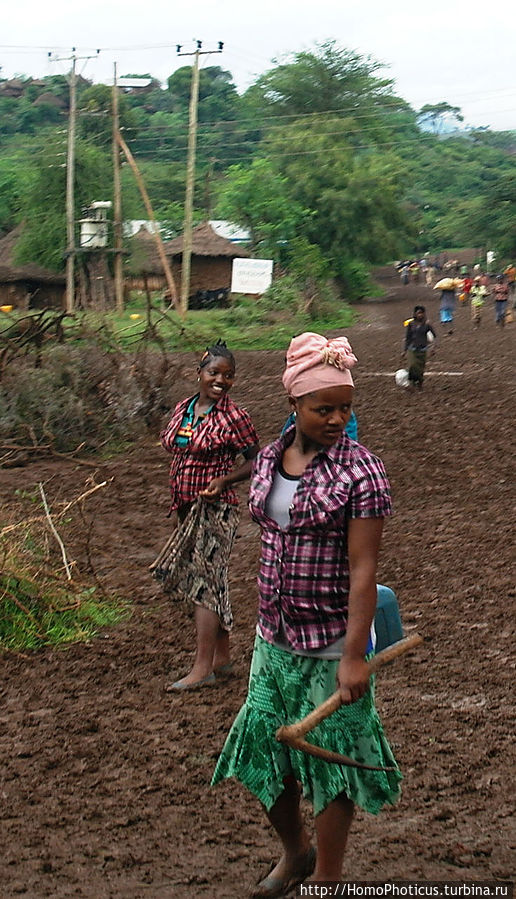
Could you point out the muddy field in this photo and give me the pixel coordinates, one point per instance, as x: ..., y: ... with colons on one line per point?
x: 105, y: 777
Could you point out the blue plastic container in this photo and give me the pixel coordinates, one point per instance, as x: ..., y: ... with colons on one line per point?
x: 387, y: 621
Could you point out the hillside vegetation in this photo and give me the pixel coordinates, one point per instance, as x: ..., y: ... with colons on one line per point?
x: 320, y: 159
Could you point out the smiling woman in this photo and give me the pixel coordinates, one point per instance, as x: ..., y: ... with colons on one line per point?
x: 204, y: 436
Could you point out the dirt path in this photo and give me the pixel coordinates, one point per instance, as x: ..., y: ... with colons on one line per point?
x: 105, y: 776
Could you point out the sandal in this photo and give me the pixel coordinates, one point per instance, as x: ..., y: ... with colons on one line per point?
x: 179, y: 686
x: 271, y: 887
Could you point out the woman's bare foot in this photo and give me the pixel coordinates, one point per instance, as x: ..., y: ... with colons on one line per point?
x: 290, y: 871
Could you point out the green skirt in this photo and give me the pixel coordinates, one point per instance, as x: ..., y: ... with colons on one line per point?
x: 283, y: 688
x: 416, y: 360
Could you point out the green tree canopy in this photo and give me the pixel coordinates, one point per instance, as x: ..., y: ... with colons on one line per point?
x: 438, y: 115
x: 327, y: 79
x: 43, y: 209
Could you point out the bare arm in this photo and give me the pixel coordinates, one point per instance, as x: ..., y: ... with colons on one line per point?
x: 242, y: 473
x: 364, y: 536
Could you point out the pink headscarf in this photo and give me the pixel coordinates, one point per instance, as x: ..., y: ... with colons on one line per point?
x: 314, y: 363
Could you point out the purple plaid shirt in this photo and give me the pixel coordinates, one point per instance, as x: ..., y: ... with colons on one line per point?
x: 304, y: 570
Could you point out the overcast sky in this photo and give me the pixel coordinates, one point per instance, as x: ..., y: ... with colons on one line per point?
x: 461, y: 52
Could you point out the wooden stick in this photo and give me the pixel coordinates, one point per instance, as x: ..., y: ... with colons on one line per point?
x: 157, y: 236
x: 38, y: 518
x: 292, y: 734
x: 56, y: 535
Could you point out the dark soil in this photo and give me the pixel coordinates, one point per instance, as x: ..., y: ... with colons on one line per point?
x: 105, y: 784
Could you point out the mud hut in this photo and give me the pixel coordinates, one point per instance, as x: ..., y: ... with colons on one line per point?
x: 212, y: 259
x: 143, y: 268
x: 28, y: 286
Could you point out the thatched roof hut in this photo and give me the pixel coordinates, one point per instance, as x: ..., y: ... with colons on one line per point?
x: 49, y: 99
x: 211, y: 262
x: 206, y: 243
x: 28, y: 286
x: 13, y: 87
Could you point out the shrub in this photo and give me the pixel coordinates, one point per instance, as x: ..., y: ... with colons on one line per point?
x: 354, y: 279
x: 83, y: 396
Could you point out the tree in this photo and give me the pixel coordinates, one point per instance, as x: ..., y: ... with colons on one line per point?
x: 257, y: 197
x: 218, y: 97
x: 16, y: 174
x: 353, y: 195
x: 439, y: 117
x: 331, y: 129
x: 327, y: 79
x: 43, y: 208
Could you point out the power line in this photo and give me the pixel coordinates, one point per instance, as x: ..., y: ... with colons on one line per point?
x: 254, y: 124
x: 288, y: 139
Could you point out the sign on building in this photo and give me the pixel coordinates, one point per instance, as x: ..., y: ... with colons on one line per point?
x: 251, y: 275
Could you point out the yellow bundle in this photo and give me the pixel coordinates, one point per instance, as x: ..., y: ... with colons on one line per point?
x: 448, y: 284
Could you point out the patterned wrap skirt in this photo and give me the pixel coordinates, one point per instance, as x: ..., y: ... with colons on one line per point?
x: 283, y: 688
x: 193, y: 564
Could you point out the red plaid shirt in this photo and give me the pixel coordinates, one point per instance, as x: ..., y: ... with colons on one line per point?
x: 226, y: 431
x: 304, y: 570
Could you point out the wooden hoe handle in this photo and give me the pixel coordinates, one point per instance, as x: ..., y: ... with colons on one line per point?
x: 292, y: 734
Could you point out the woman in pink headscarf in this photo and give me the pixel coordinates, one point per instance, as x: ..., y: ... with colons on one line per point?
x: 320, y: 499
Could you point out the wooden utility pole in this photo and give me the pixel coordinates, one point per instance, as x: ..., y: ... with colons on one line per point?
x: 190, y: 172
x: 190, y: 183
x: 70, y: 196
x: 117, y: 203
x: 70, y: 178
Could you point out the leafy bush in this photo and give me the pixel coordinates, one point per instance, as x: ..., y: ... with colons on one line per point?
x: 355, y: 280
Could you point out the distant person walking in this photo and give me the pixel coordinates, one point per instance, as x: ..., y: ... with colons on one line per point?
x: 447, y: 308
x: 501, y: 297
x: 478, y: 296
x: 419, y: 338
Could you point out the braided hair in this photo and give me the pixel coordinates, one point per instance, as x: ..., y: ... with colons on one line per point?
x: 215, y: 351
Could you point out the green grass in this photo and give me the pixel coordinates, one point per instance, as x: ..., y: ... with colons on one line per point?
x: 33, y: 616
x: 247, y: 324
x: 259, y: 323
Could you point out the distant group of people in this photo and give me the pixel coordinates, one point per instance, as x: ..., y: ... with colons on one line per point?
x: 428, y: 269
x: 468, y: 285
x: 477, y: 288
x: 420, y: 338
